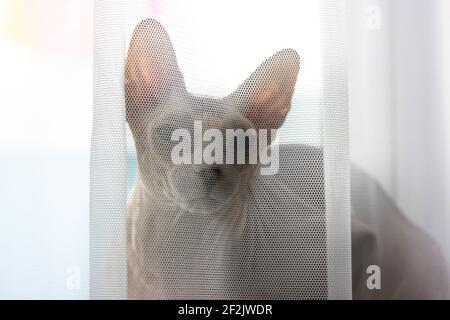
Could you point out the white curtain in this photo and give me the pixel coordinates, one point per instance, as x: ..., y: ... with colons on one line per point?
x: 373, y: 93
x: 398, y: 58
x: 217, y: 47
x: 395, y: 75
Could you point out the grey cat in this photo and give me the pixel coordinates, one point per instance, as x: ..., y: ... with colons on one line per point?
x: 223, y: 231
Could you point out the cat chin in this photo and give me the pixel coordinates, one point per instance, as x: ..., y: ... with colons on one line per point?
x: 220, y: 197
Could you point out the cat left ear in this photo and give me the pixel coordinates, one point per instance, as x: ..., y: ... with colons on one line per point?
x: 265, y: 97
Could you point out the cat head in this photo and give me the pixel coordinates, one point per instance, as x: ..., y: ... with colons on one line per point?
x: 158, y: 103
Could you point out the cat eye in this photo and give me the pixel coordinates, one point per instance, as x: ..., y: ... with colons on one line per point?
x: 165, y: 132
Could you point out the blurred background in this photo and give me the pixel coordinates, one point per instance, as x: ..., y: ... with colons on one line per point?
x: 399, y: 103
x: 45, y: 127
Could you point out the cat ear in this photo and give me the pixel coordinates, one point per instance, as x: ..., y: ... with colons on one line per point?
x: 151, y: 68
x: 265, y: 97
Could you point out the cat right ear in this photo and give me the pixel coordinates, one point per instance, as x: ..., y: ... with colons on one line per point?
x: 265, y: 97
x: 151, y: 68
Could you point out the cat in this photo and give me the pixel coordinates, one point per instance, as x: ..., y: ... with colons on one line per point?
x: 177, y: 211
x: 199, y: 231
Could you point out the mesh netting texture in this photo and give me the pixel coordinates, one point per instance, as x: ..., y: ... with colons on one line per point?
x: 220, y: 204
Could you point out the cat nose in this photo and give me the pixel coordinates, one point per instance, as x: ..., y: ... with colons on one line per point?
x: 210, y: 176
x: 211, y: 172
x: 217, y: 172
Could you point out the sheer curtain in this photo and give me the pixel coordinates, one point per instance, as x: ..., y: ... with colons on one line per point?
x: 390, y: 59
x: 399, y: 134
x: 372, y: 102
x: 307, y: 215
